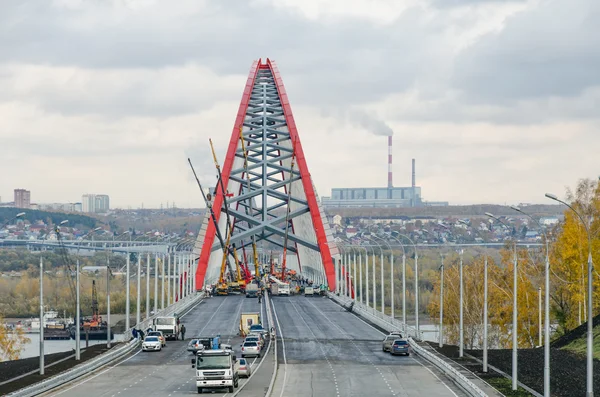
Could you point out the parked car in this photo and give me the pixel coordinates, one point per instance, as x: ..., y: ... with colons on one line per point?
x: 250, y: 349
x: 151, y: 343
x: 258, y: 328
x: 160, y: 337
x: 244, y: 369
x: 254, y: 338
x: 195, y: 346
x: 386, y: 345
x: 400, y: 346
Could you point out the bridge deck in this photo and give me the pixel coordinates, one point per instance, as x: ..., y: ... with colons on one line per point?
x: 331, y: 352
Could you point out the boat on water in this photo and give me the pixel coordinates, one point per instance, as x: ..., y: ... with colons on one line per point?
x: 55, y: 327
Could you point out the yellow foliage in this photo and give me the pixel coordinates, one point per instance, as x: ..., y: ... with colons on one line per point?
x: 12, y: 342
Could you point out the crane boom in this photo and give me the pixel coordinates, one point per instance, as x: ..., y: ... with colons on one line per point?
x: 225, y: 205
x: 254, y: 250
x: 287, y: 216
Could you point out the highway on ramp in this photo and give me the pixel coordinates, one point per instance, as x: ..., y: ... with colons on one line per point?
x: 168, y: 372
x: 323, y: 350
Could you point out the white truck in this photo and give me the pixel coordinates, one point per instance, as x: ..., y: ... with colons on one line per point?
x: 168, y: 326
x: 216, y: 369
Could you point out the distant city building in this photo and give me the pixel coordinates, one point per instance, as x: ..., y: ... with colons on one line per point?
x: 64, y: 207
x: 549, y: 220
x: 102, y: 203
x: 22, y: 198
x: 95, y: 203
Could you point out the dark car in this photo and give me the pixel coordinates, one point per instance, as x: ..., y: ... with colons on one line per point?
x: 400, y: 346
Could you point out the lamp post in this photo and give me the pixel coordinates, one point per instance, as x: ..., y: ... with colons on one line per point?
x: 374, y: 273
x: 382, y: 278
x: 20, y: 214
x: 590, y: 311
x: 485, y: 304
x: 393, y: 276
x: 41, y: 316
x: 515, y: 310
x: 441, y: 344
x: 416, y: 286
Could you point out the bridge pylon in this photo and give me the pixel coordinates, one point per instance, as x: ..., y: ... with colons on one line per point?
x: 267, y: 185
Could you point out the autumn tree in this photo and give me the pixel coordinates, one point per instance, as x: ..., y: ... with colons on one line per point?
x: 12, y: 342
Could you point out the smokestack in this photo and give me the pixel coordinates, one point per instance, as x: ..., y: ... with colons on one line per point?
x: 390, y: 183
x: 413, y: 173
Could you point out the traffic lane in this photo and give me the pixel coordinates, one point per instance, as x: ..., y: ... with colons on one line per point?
x: 153, y: 370
x: 225, y: 324
x: 393, y: 370
x: 343, y: 361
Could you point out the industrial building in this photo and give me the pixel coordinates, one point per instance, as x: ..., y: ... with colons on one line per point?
x: 380, y: 197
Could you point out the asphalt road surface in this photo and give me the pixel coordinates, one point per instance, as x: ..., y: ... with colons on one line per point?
x: 323, y: 350
x: 168, y: 372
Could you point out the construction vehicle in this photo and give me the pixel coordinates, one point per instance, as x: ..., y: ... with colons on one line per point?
x: 216, y: 369
x: 252, y: 290
x: 169, y: 326
x: 93, y: 327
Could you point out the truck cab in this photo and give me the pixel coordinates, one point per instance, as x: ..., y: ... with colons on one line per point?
x: 167, y: 325
x: 216, y: 369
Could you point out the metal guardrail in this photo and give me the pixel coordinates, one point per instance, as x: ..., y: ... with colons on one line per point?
x: 76, y: 372
x: 469, y: 387
x: 378, y: 318
x: 390, y: 324
x: 100, y: 361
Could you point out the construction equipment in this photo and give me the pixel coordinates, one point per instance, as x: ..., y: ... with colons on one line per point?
x: 249, y: 206
x: 287, y: 217
x: 212, y: 215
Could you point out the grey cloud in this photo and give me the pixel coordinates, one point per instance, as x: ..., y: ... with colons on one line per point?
x: 347, y: 60
x: 463, y: 3
x: 550, y: 50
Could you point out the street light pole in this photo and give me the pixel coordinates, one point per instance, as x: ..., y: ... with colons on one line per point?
x: 442, y: 302
x: 138, y: 314
x: 20, y: 214
x: 461, y: 321
x: 515, y: 373
x: 590, y: 311
x: 41, y: 316
x: 108, y: 302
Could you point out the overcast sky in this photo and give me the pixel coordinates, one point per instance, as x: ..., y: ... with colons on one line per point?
x: 498, y: 101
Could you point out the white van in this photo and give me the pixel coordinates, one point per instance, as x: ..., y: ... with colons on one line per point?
x: 284, y: 289
x: 309, y: 291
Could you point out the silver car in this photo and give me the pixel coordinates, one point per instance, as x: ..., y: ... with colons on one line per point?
x: 244, y: 369
x: 251, y: 349
x: 195, y: 346
x: 255, y: 338
x: 386, y: 345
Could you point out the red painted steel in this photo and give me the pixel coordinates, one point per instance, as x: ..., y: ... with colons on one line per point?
x: 300, y: 159
x: 209, y: 237
x: 306, y: 179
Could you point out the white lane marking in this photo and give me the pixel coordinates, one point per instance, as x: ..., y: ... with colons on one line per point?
x: 121, y: 362
x: 320, y: 346
x: 412, y: 358
x: 236, y: 320
x: 280, y: 334
x: 95, y: 376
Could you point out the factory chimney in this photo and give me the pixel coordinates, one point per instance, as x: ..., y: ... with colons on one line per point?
x: 413, y: 173
x: 390, y: 183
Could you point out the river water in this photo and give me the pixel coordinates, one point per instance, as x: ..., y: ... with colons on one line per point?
x: 32, y: 349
